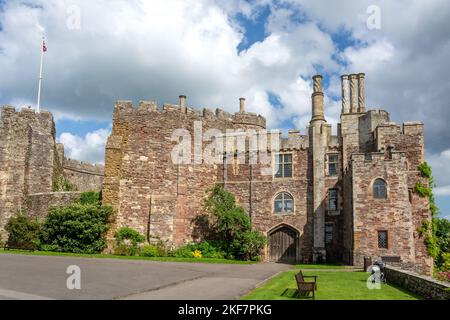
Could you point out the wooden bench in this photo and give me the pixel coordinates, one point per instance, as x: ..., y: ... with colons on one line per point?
x: 305, y: 287
x: 19, y: 246
x: 391, y: 259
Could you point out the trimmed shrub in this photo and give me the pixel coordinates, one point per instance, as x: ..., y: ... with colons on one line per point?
x: 128, y: 241
x: 76, y: 228
x: 23, y: 232
x: 91, y: 197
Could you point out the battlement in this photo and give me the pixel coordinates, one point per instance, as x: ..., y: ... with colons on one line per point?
x: 394, y: 134
x: 42, y: 122
x: 373, y: 157
x: 83, y: 167
x: 125, y: 109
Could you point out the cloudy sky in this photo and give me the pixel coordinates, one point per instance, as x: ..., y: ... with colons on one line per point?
x: 217, y: 51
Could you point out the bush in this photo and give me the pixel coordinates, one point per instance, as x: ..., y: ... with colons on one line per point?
x: 150, y: 250
x: 91, y: 197
x: 199, y: 250
x: 76, y: 228
x: 249, y: 246
x: 128, y: 241
x: 443, y: 276
x: 445, y: 262
x: 209, y: 249
x: 182, y: 252
x: 23, y: 232
x: 231, y: 227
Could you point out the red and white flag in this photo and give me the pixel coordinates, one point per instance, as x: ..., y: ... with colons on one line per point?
x: 44, y: 47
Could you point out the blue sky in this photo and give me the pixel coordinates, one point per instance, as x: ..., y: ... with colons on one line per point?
x: 215, y: 52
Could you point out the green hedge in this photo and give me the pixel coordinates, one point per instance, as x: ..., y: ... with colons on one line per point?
x: 77, y: 228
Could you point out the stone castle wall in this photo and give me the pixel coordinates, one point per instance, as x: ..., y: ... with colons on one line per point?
x: 39, y: 203
x: 423, y: 286
x: 85, y: 176
x: 163, y: 200
x: 393, y: 214
x: 31, y: 160
x: 27, y: 154
x: 152, y: 194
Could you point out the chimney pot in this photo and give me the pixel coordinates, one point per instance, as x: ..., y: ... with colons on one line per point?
x: 344, y: 87
x: 317, y: 83
x: 241, y: 105
x: 183, y: 103
x: 317, y: 100
x: 353, y: 94
x: 361, y: 94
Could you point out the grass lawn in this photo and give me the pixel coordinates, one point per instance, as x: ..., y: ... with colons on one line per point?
x: 320, y: 266
x: 331, y: 286
x: 111, y: 256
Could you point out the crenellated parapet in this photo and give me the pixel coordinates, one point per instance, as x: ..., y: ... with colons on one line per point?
x: 373, y: 157
x: 42, y: 121
x: 124, y: 110
x: 83, y: 167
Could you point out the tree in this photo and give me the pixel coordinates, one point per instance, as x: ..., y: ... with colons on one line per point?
x: 442, y: 239
x: 231, y: 226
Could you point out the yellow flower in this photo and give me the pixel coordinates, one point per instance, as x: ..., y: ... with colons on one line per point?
x: 197, y: 254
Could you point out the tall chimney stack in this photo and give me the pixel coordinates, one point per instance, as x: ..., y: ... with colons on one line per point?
x: 241, y: 105
x: 361, y: 95
x: 344, y: 88
x: 317, y: 99
x: 183, y: 104
x: 353, y: 94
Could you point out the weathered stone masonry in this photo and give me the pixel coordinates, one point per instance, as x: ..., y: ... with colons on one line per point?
x: 31, y: 160
x: 164, y: 200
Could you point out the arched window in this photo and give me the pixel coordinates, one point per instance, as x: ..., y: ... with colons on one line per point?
x: 379, y: 189
x: 283, y: 203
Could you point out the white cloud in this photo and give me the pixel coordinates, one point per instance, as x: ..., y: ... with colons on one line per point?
x: 155, y: 51
x: 441, y: 171
x: 89, y: 148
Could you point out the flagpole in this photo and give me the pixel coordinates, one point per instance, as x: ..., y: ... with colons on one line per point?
x: 40, y: 77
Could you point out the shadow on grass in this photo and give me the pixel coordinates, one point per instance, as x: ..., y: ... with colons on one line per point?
x: 293, y: 294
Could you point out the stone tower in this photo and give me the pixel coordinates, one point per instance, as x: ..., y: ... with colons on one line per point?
x: 319, y: 132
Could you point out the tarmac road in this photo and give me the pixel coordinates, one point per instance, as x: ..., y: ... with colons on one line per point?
x: 44, y: 277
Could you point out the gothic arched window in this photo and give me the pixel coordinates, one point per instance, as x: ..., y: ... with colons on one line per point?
x: 380, y: 189
x: 283, y: 203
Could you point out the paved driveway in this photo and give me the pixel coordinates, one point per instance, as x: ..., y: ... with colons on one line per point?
x: 43, y: 277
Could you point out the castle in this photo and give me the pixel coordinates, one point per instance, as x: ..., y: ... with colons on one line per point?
x: 32, y: 163
x: 326, y: 198
x: 316, y: 196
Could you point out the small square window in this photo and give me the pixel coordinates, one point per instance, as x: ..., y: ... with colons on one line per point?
x: 382, y: 239
x: 332, y: 164
x: 283, y: 166
x: 332, y: 200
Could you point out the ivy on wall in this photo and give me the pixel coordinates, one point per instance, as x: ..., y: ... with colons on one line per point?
x: 428, y: 229
x: 62, y: 184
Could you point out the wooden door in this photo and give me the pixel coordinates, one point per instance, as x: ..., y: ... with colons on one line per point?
x: 283, y: 245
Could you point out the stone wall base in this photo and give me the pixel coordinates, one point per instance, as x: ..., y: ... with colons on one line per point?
x: 423, y: 286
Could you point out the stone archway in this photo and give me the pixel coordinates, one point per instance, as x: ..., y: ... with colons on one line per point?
x: 283, y: 244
